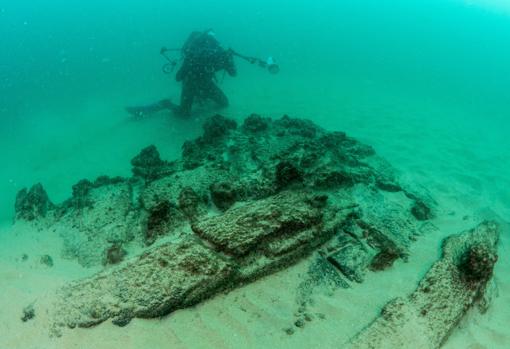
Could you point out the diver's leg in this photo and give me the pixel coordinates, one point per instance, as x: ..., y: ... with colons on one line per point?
x: 187, y: 97
x: 167, y: 104
x: 217, y: 95
x: 147, y: 110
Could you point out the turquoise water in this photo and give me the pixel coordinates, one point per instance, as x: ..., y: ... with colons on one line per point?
x: 69, y: 68
x: 425, y: 82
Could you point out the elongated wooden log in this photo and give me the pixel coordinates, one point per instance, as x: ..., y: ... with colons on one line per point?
x: 453, y: 285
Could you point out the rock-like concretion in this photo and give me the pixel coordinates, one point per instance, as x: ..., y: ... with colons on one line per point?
x: 266, y: 236
x: 33, y: 203
x: 454, y: 284
x: 242, y: 202
x: 149, y: 166
x: 100, y: 215
x: 169, y: 277
x: 240, y: 230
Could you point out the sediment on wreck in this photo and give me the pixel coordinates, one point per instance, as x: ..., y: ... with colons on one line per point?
x: 241, y: 202
x: 454, y: 284
x: 267, y: 236
x: 32, y: 203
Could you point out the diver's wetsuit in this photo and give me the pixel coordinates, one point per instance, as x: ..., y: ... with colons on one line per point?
x: 203, y: 57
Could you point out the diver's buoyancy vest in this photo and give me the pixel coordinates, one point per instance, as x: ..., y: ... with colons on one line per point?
x: 202, y: 53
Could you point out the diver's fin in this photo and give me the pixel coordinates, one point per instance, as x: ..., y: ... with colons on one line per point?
x: 144, y: 111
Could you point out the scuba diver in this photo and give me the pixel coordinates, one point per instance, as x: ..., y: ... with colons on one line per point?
x: 202, y: 57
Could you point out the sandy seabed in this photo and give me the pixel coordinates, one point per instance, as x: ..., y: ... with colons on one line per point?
x: 461, y: 165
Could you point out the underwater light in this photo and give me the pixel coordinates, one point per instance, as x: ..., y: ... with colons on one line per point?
x: 272, y: 67
x: 268, y: 64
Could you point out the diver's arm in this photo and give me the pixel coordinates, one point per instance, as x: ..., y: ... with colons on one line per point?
x: 230, y: 66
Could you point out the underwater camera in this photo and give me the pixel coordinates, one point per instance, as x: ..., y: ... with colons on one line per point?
x: 272, y: 67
